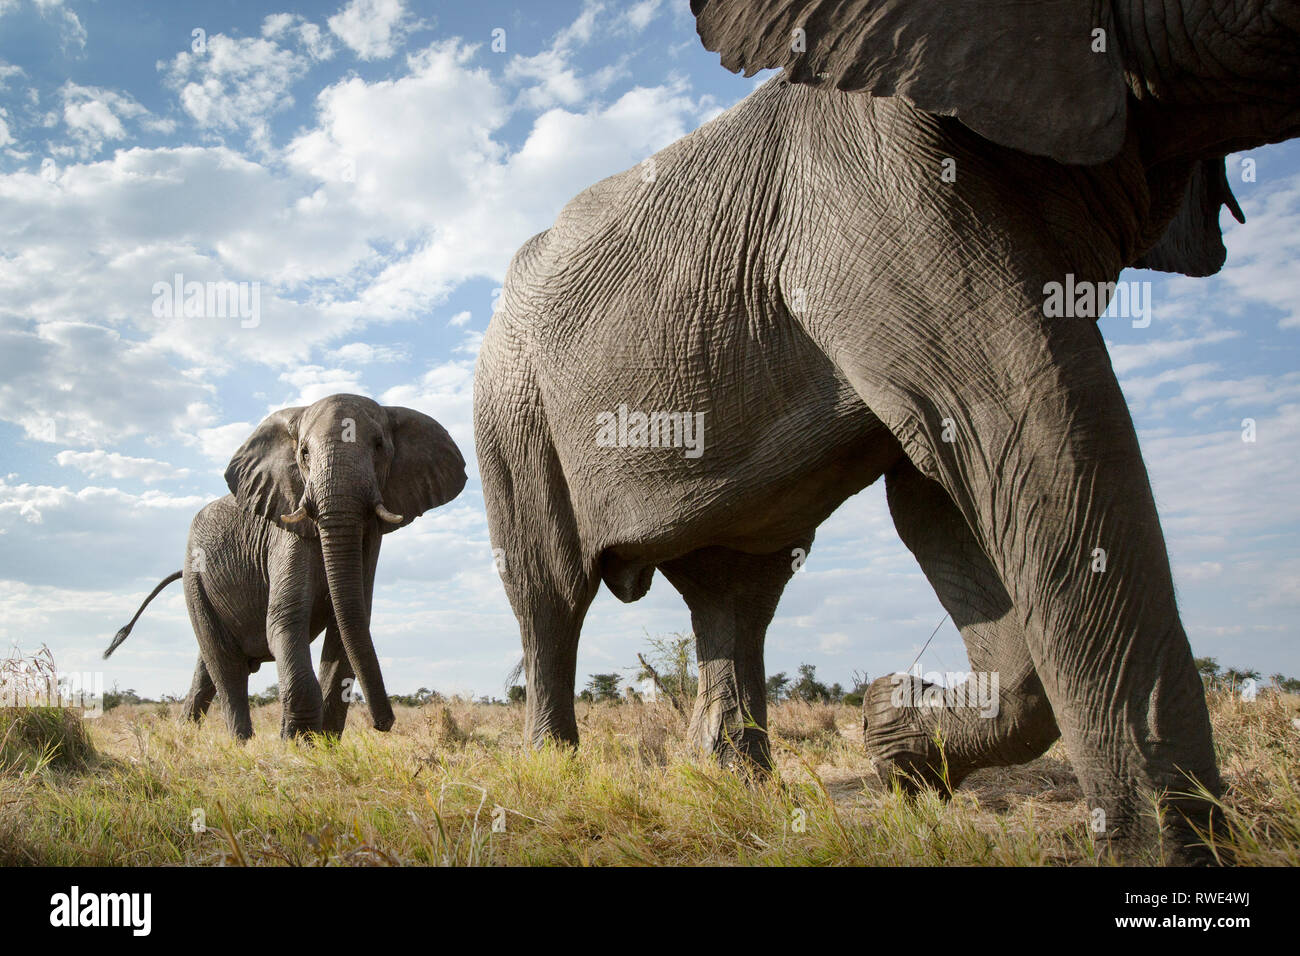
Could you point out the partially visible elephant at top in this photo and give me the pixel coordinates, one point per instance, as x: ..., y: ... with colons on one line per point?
x: 292, y: 552
x: 845, y: 277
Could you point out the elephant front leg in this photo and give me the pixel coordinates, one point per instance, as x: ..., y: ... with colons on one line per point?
x: 293, y: 588
x: 1021, y: 421
x: 288, y: 633
x: 732, y: 597
x: 919, y: 734
x: 336, y: 682
x: 300, y: 694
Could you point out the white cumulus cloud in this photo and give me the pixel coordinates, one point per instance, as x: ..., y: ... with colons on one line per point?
x: 236, y: 83
x: 373, y: 29
x: 105, y: 464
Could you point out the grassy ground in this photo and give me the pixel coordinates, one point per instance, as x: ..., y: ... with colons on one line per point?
x: 451, y: 784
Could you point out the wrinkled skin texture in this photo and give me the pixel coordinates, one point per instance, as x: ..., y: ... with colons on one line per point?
x: 263, y: 579
x: 798, y: 271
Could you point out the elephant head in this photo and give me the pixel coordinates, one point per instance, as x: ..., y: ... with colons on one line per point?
x: 1186, y: 82
x: 346, y: 468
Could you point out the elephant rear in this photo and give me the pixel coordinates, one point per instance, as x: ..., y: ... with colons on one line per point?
x: 654, y: 290
x: 226, y: 576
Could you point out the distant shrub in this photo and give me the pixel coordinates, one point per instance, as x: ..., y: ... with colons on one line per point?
x: 269, y: 696
x: 418, y: 699
x: 602, y: 688
x: 812, y: 691
x: 35, y: 737
x: 670, y: 665
x: 40, y: 735
x: 116, y: 698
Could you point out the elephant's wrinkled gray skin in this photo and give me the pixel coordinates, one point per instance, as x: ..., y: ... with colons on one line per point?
x: 799, y: 271
x: 292, y: 552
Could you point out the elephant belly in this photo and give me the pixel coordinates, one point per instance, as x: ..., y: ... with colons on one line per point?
x: 756, y: 504
x: 749, y: 445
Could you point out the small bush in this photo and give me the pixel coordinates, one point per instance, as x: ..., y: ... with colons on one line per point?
x: 35, y: 731
x: 36, y: 737
x: 803, y: 722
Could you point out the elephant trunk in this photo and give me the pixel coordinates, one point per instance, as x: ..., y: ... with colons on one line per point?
x: 341, y: 547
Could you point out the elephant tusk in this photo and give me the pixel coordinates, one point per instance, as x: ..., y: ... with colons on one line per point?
x: 296, y: 516
x: 387, y: 515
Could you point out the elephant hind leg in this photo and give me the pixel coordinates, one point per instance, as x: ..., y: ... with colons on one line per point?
x: 732, y: 597
x: 226, y: 669
x: 550, y: 623
x: 202, y: 691
x: 1001, y: 715
x: 549, y: 577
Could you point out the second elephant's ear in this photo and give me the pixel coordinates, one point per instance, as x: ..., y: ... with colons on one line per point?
x: 1192, y: 243
x: 427, y: 469
x: 263, y: 475
x: 1034, y: 76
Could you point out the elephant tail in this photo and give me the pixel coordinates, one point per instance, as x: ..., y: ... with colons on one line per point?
x: 121, y: 635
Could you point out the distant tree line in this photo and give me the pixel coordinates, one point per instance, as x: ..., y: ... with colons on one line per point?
x: 1233, y: 678
x: 669, y: 666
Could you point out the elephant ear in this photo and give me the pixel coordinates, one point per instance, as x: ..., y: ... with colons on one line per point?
x: 1192, y: 243
x: 427, y: 469
x: 263, y: 475
x: 1022, y: 74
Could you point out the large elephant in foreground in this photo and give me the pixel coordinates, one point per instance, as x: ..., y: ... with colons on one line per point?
x: 843, y: 277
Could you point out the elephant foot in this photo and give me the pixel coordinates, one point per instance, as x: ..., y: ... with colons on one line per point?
x: 734, y: 744
x: 745, y: 750
x: 901, y: 741
x: 305, y: 738
x: 304, y: 729
x: 1130, y: 833
x: 190, y: 713
x: 333, y: 721
x: 540, y: 730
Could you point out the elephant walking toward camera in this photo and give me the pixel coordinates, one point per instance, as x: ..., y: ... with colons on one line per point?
x: 843, y: 277
x: 292, y: 552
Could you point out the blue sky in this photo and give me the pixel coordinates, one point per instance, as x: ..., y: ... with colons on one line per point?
x: 374, y: 165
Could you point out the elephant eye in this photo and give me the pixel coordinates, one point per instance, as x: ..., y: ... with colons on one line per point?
x: 305, y: 454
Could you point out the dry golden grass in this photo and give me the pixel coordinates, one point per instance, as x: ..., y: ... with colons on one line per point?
x: 452, y: 784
